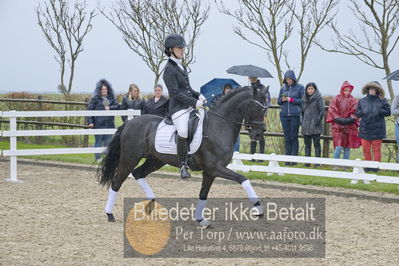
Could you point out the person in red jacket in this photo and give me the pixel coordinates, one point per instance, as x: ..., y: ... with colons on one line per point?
x: 345, y: 125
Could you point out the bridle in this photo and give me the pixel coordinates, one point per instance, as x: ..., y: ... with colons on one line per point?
x: 247, y: 123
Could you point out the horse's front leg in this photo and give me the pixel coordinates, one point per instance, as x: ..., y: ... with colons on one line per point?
x: 207, y: 181
x: 226, y: 173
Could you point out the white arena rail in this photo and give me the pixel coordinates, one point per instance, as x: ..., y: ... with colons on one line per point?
x: 13, y: 133
x: 274, y: 167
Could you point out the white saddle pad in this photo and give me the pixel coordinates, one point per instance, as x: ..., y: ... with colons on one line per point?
x: 165, y: 137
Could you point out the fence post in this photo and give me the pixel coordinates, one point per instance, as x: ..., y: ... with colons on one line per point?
x: 274, y: 164
x: 359, y: 170
x: 39, y: 139
x: 326, y: 142
x: 129, y: 117
x: 13, y: 147
x: 236, y: 161
x: 86, y: 137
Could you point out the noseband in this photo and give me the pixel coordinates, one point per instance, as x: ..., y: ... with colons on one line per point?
x: 250, y: 124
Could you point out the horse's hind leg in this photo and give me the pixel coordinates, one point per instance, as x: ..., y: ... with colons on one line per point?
x: 125, y: 166
x: 207, y: 181
x: 150, y: 165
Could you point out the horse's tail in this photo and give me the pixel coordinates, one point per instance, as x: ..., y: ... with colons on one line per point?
x: 109, y: 165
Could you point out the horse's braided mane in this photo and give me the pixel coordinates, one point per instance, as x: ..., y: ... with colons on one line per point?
x: 244, y: 92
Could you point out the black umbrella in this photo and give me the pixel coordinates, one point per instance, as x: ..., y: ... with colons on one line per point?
x: 249, y: 71
x: 393, y: 76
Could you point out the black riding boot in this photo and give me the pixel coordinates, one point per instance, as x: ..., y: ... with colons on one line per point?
x: 308, y: 151
x: 182, y: 150
x: 317, y: 152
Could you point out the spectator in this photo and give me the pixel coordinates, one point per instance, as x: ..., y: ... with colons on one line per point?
x: 372, y: 111
x: 341, y: 114
x: 157, y: 105
x: 226, y: 89
x: 132, y: 100
x: 290, y: 99
x: 312, y: 115
x: 256, y: 85
x: 103, y: 99
x: 395, y: 113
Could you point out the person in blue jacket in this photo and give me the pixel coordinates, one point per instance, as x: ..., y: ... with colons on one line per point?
x: 103, y: 99
x: 290, y: 99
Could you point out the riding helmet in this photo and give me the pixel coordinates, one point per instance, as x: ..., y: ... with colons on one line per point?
x: 174, y: 40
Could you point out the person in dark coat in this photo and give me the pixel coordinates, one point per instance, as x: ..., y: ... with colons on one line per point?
x: 290, y: 99
x: 372, y: 111
x: 182, y: 98
x: 103, y: 99
x: 256, y: 85
x: 132, y: 100
x: 157, y: 105
x: 225, y: 90
x: 312, y: 110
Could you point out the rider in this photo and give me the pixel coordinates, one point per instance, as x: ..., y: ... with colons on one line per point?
x: 182, y: 98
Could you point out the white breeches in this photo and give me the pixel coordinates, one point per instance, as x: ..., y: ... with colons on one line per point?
x: 180, y: 120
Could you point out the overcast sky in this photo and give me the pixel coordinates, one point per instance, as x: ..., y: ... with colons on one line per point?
x: 27, y: 61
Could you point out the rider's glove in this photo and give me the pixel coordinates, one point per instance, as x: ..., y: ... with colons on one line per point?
x: 202, y: 98
x: 199, y: 104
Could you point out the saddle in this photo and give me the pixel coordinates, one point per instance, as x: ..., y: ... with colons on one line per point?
x: 166, y: 135
x: 192, y: 125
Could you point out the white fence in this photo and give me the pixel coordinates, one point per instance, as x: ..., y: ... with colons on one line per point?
x: 357, y: 165
x: 357, y: 174
x: 13, y: 133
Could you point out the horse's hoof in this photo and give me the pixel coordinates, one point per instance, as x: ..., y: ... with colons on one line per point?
x: 204, y: 223
x: 111, y: 217
x: 257, y: 210
x: 149, y: 207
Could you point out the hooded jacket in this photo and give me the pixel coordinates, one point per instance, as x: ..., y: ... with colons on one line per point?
x: 344, y: 107
x: 372, y: 111
x: 295, y: 91
x: 312, y: 112
x: 395, y: 109
x: 98, y: 103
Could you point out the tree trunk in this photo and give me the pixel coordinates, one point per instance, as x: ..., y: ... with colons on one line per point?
x: 389, y: 82
x: 157, y: 76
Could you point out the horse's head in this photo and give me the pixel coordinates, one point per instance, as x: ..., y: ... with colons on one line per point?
x: 256, y: 112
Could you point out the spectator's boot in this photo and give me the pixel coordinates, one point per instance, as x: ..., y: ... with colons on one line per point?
x: 253, y: 149
x: 182, y: 150
x: 317, y: 152
x: 308, y: 150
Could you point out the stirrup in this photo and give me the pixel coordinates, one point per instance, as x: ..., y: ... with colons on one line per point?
x: 184, y: 174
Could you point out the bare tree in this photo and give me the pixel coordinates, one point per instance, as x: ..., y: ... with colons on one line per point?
x: 185, y: 18
x: 269, y: 25
x: 378, y: 24
x: 312, y: 16
x: 263, y: 24
x: 145, y: 24
x: 65, y: 29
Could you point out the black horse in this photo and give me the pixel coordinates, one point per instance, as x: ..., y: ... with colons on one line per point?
x: 135, y: 139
